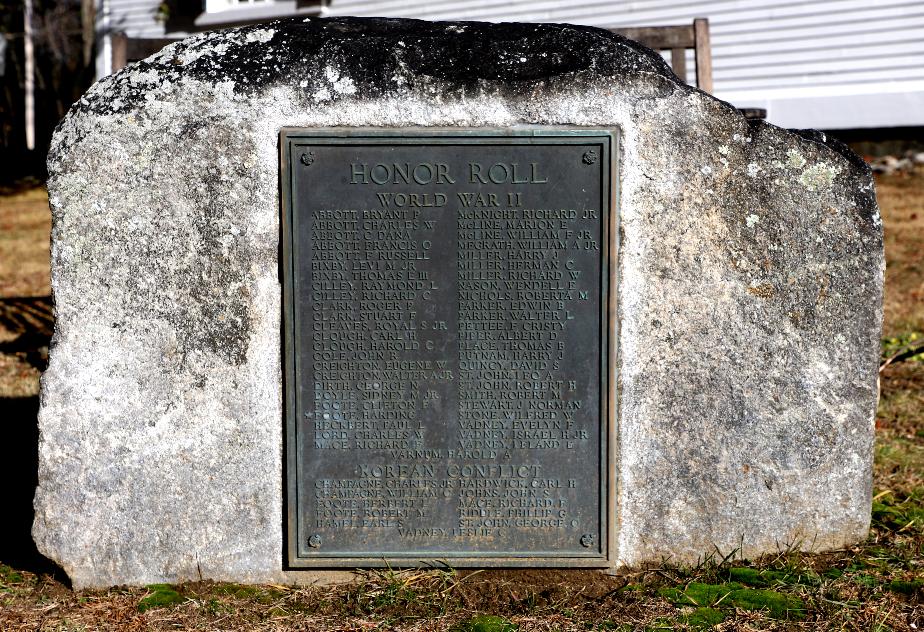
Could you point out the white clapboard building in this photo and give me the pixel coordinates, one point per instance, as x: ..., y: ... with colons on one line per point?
x: 829, y: 64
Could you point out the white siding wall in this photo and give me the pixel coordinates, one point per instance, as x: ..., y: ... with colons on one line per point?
x: 817, y: 63
x: 135, y: 18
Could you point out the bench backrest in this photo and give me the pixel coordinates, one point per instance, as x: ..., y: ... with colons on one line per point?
x: 677, y: 39
x: 128, y: 49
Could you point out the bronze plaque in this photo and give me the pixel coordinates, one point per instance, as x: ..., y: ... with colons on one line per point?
x: 447, y: 342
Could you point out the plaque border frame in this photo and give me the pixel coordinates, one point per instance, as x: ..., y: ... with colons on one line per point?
x: 606, y: 558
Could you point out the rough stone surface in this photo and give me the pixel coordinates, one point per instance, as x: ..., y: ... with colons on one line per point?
x: 750, y: 281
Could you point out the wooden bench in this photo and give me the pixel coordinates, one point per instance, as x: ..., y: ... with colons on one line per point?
x: 126, y: 49
x: 679, y: 39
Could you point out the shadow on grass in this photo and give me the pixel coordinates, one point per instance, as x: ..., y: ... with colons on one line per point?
x: 30, y: 319
x: 19, y: 456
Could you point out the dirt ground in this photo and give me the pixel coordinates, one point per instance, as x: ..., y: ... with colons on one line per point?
x: 878, y: 585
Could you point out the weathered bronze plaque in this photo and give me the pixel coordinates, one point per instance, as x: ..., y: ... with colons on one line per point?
x: 447, y: 336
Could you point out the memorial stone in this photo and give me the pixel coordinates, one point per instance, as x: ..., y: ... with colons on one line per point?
x: 338, y: 293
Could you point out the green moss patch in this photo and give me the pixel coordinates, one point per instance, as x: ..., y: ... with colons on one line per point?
x: 763, y: 578
x: 704, y: 618
x: 698, y: 594
x: 484, y: 623
x: 735, y: 595
x: 9, y: 575
x: 779, y: 605
x: 160, y: 596
x: 906, y: 588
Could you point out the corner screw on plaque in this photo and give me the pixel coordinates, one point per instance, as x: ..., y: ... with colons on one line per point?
x: 314, y: 541
x: 587, y: 540
x: 308, y: 158
x: 590, y: 157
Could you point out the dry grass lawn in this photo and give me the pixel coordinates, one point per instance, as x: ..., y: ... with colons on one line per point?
x: 25, y: 225
x: 874, y: 586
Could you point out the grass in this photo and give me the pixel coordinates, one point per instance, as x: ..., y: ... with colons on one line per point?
x: 876, y: 585
x: 25, y: 225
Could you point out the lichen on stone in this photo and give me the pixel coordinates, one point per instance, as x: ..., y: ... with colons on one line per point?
x: 818, y: 176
